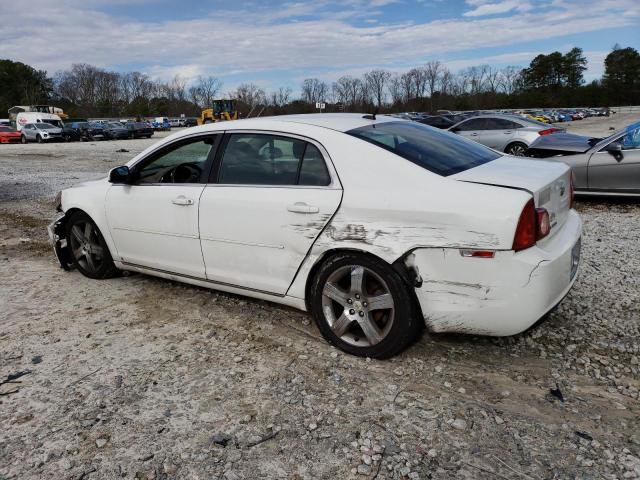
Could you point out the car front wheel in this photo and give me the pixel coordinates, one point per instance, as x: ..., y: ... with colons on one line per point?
x: 88, y: 249
x: 362, y: 306
x: 38, y: 139
x: 23, y: 139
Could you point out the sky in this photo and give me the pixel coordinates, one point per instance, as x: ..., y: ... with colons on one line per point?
x: 280, y: 43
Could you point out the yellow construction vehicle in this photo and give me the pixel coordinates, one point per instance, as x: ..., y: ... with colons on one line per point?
x: 220, y: 111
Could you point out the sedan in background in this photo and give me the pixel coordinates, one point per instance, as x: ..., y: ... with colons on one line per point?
x: 40, y: 132
x: 115, y: 131
x: 70, y: 134
x: 507, y: 133
x: 139, y: 129
x: 601, y: 166
x: 9, y: 135
x: 375, y: 225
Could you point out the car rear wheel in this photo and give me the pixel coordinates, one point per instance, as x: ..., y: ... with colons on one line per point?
x: 88, y: 249
x: 516, y: 149
x: 362, y: 306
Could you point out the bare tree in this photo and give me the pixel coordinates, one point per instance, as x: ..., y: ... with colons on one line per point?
x: 314, y: 90
x: 250, y: 94
x: 376, y: 81
x: 493, y: 78
x: 395, y: 89
x: 281, y: 97
x: 407, y: 85
x: 208, y: 88
x: 348, y: 90
x: 432, y: 72
x: 509, y: 79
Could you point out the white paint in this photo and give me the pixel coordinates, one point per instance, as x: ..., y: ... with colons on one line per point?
x: 246, y: 239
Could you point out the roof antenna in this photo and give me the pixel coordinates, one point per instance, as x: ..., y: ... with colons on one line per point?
x: 373, y: 115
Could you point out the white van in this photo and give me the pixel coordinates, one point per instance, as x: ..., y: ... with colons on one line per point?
x: 37, y: 117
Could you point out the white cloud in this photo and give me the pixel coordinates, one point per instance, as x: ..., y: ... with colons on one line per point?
x: 483, y: 7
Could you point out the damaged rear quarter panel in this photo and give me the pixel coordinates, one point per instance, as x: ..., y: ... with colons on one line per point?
x: 391, y: 206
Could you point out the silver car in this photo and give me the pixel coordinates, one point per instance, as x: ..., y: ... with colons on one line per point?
x: 506, y: 133
x: 601, y: 166
x: 40, y: 132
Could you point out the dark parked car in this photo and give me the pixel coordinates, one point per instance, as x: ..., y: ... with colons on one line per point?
x: 70, y: 134
x: 139, y: 129
x: 115, y: 131
x: 436, y: 121
x: 88, y: 131
x: 190, y: 122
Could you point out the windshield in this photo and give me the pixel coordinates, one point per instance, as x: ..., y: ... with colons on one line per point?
x: 6, y: 129
x: 437, y: 151
x: 45, y: 126
x: 115, y: 125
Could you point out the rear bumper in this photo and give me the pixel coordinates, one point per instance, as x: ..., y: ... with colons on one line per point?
x: 501, y: 296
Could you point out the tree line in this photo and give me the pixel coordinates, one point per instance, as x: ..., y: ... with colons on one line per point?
x: 552, y: 80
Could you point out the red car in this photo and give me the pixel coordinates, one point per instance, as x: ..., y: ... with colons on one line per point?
x: 9, y: 135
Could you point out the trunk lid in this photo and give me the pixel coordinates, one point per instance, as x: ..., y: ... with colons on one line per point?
x: 548, y: 182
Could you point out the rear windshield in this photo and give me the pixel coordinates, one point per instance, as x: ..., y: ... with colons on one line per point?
x: 439, y: 152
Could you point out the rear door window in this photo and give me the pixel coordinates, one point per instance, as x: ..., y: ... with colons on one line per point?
x: 435, y: 150
x: 264, y: 159
x: 473, y: 124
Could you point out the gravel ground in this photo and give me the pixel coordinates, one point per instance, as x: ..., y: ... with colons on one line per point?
x: 138, y: 377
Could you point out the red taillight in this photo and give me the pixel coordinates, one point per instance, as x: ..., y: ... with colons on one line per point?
x: 533, y: 225
x: 525, y: 236
x: 547, y: 131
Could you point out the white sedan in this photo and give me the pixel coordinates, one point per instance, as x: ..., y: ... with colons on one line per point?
x: 377, y: 226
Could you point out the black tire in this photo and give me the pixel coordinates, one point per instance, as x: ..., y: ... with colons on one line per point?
x: 405, y: 325
x: 38, y: 138
x: 97, y: 265
x: 23, y: 139
x: 517, y: 149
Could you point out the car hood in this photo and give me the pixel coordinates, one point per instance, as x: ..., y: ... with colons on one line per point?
x: 564, y: 142
x: 51, y: 130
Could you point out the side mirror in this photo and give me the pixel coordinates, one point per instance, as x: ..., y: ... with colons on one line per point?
x: 120, y: 175
x: 614, y: 147
x: 454, y: 129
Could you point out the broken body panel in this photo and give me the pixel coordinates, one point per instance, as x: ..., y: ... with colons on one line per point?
x: 401, y: 213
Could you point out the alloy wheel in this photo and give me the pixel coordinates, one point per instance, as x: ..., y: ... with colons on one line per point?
x: 517, y: 150
x: 358, y: 306
x: 85, y: 245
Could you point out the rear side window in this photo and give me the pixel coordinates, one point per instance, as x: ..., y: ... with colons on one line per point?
x: 435, y: 150
x: 500, y: 124
x: 473, y: 124
x: 262, y: 159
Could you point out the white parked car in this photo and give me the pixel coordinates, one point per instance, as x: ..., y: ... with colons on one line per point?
x: 377, y: 226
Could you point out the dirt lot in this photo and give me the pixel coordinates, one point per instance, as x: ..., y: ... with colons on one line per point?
x: 138, y: 377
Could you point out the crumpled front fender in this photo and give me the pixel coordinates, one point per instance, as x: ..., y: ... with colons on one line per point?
x: 58, y: 239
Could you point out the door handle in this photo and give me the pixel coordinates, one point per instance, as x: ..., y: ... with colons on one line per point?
x: 181, y: 200
x: 473, y: 134
x: 301, y: 207
x: 508, y: 132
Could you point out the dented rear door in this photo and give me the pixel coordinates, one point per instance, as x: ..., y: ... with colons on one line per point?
x: 255, y: 236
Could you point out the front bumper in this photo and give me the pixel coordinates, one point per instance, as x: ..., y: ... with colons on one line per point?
x: 498, y: 296
x: 58, y: 240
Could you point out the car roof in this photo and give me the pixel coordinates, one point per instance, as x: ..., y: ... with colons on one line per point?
x: 341, y: 122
